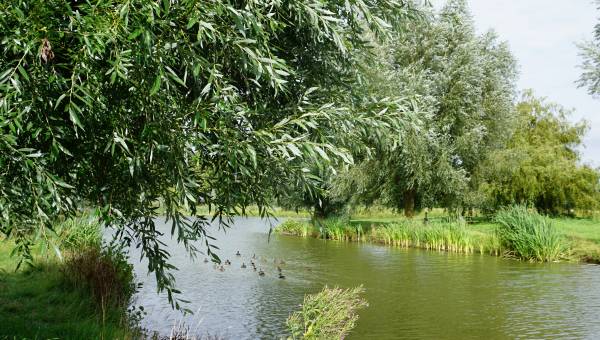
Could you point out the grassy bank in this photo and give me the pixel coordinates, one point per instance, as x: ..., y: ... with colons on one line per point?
x: 572, y: 239
x: 59, y: 298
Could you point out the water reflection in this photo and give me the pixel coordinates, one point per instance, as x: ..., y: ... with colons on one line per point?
x: 412, y: 294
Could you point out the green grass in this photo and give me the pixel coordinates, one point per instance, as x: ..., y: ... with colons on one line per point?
x: 530, y: 236
x: 581, y: 235
x: 329, y: 314
x: 39, y: 303
x: 451, y: 237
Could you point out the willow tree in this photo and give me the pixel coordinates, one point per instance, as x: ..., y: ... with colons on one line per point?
x: 123, y: 104
x: 541, y: 165
x: 590, y: 53
x: 463, y: 84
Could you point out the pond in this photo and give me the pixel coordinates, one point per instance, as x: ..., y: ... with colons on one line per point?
x: 411, y: 293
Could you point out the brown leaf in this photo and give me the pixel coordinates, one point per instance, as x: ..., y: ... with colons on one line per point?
x: 46, y: 51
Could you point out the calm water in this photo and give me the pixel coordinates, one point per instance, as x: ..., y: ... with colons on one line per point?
x: 412, y: 294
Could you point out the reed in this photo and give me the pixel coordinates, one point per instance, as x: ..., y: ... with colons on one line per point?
x: 451, y: 237
x: 329, y: 314
x: 297, y: 228
x: 530, y: 236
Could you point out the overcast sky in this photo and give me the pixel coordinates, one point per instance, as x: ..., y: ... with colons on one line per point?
x: 542, y: 35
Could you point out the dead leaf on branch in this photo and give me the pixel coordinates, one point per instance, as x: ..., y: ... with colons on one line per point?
x: 46, y: 51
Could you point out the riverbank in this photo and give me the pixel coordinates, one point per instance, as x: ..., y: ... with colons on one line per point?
x: 58, y: 298
x: 580, y: 237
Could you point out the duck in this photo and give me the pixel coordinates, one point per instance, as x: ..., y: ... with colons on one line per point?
x: 227, y: 262
x: 205, y: 260
x: 243, y: 265
x: 221, y: 268
x: 281, y: 276
x: 261, y: 273
x: 238, y: 253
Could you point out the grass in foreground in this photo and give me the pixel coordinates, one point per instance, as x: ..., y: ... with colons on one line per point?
x: 52, y: 300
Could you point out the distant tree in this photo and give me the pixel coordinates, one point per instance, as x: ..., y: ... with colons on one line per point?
x: 124, y: 104
x: 541, y: 165
x: 590, y: 53
x: 462, y: 86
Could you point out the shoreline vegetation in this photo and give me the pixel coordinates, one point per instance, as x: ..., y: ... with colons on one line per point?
x: 74, y: 286
x: 514, y: 232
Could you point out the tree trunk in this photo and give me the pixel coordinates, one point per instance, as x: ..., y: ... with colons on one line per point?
x: 409, y: 203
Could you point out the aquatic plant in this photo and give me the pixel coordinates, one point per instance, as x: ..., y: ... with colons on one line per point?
x: 452, y: 237
x: 529, y: 235
x: 296, y: 228
x: 341, y: 230
x: 329, y: 314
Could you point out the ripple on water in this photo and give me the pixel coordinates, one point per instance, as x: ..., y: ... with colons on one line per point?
x: 412, y: 293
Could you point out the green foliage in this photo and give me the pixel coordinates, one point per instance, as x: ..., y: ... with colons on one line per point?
x: 541, y: 166
x: 451, y: 237
x: 330, y: 314
x: 590, y: 53
x: 296, y: 228
x: 79, y: 233
x: 463, y: 87
x: 122, y: 104
x: 529, y: 236
x: 41, y: 302
x: 104, y: 272
x: 341, y: 230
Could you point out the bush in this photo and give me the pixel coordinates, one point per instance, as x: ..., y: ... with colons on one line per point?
x: 529, y: 235
x: 105, y: 272
x: 330, y: 314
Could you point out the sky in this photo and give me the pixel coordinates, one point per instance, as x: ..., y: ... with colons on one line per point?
x: 542, y: 34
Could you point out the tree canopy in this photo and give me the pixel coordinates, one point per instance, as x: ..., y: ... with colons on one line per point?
x: 464, y: 85
x: 123, y: 104
x: 541, y: 165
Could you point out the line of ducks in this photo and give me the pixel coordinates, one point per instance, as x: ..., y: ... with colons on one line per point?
x: 260, y: 271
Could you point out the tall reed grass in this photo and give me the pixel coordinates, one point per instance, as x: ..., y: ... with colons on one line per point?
x: 329, y: 314
x: 79, y: 232
x: 530, y: 236
x: 451, y: 237
x: 297, y: 228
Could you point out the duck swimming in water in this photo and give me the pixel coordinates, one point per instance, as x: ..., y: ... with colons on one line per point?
x: 205, y: 260
x: 227, y: 262
x: 281, y: 276
x: 238, y: 253
x: 221, y: 268
x: 261, y: 273
x: 243, y: 265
